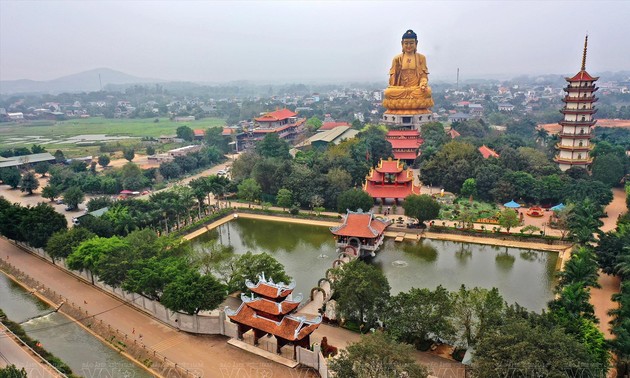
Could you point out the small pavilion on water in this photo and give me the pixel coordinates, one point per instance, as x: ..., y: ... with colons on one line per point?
x: 360, y: 233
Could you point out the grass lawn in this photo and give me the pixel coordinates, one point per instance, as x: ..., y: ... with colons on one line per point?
x: 54, y: 135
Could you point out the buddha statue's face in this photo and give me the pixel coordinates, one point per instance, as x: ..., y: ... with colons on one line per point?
x: 409, y: 45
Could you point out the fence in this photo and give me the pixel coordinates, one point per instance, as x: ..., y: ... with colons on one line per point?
x: 215, y: 323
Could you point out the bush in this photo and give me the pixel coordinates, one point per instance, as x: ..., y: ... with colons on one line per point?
x: 294, y: 210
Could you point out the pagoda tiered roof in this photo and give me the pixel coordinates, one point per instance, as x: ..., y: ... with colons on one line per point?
x: 290, y: 327
x: 581, y: 76
x: 389, y: 166
x: 269, y: 289
x: 405, y: 143
x: 270, y: 307
x: 361, y: 225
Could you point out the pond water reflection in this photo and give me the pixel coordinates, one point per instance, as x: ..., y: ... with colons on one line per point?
x: 523, y: 276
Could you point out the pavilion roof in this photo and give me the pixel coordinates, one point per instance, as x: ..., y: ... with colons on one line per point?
x: 277, y: 115
x: 405, y: 143
x: 290, y: 328
x: 582, y: 76
x: 269, y: 289
x: 454, y: 134
x: 401, y: 133
x: 361, y: 225
x: 405, y: 155
x: 376, y: 190
x: 270, y: 307
x: 488, y: 152
x: 199, y: 132
x: 389, y: 166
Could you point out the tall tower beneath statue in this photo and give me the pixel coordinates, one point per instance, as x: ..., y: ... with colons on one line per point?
x: 578, y: 121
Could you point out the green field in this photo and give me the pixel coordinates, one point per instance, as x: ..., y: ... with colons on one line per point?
x: 54, y: 135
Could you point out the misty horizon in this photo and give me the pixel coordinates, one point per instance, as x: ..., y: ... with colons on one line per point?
x: 308, y: 42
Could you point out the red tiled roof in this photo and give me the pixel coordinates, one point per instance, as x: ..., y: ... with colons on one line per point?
x: 332, y: 125
x: 376, y: 190
x: 273, y: 308
x: 488, y: 152
x: 228, y: 131
x: 397, y: 133
x: 405, y: 143
x: 278, y: 115
x: 405, y: 155
x: 199, y: 132
x: 453, y: 133
x: 289, y: 328
x: 361, y: 225
x: 582, y: 76
x: 270, y: 290
x: 401, y: 177
x: 389, y: 166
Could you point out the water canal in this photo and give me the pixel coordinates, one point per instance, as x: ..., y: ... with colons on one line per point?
x: 86, y: 355
x: 306, y: 251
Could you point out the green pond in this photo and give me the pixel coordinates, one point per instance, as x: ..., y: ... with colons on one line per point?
x: 522, y: 276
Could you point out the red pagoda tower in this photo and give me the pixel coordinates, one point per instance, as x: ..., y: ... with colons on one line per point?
x: 575, y: 136
x: 270, y: 313
x: 390, y: 180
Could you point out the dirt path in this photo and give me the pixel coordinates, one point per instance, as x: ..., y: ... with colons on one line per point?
x: 210, y: 355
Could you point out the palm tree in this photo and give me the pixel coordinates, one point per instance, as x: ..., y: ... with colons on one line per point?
x: 582, y: 267
x: 541, y: 136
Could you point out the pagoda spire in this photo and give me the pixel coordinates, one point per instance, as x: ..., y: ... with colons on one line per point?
x: 584, y: 55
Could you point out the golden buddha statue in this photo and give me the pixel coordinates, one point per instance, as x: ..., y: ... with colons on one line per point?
x: 408, y: 91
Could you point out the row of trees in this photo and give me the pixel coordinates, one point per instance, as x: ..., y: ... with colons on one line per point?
x: 30, y: 224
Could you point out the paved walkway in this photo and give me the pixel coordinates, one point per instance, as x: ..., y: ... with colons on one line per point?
x: 13, y: 352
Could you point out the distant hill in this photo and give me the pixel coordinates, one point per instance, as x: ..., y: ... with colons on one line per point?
x: 81, y: 82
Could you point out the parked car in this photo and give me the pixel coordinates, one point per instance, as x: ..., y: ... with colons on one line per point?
x: 69, y: 208
x: 59, y: 202
x: 222, y: 172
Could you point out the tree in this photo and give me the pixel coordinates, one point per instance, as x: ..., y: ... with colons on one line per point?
x: 170, y: 170
x: 249, y: 190
x: 59, y: 157
x: 132, y: 177
x: 272, y: 146
x: 149, y: 277
x: 469, y: 187
x: 415, y: 316
x: 421, y: 207
x: 62, y: 243
x: 98, y: 203
x: 150, y: 150
x: 524, y: 128
x: 376, y: 356
x: 313, y: 124
x: 185, y: 133
x: 51, y: 192
x: 582, y: 268
x: 476, y: 312
x: 362, y: 292
x: 103, y: 161
x: 129, y: 153
x: 284, y: 198
x: 353, y: 200
x: 73, y: 197
x: 29, y: 183
x: 528, y: 347
x: 39, y: 223
x: 78, y: 166
x: 508, y: 218
x: 37, y: 149
x: 10, y: 176
x: 609, y: 169
x: 193, y: 292
x: 248, y: 267
x: 12, y: 371
x: 42, y: 168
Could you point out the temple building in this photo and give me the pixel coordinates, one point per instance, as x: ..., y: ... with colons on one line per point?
x: 360, y: 234
x: 283, y: 122
x: 578, y: 122
x: 405, y: 144
x: 268, y: 312
x: 390, y: 180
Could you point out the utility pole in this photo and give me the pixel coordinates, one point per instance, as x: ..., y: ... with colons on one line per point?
x: 457, y: 83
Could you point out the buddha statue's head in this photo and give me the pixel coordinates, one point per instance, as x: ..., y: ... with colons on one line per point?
x: 409, y: 42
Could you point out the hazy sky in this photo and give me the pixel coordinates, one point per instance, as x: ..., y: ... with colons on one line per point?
x: 323, y: 41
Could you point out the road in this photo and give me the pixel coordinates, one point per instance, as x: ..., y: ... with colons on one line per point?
x: 208, y: 355
x: 14, y: 353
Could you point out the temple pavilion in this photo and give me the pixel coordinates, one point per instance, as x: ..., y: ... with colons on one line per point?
x: 360, y: 233
x: 578, y: 122
x: 267, y: 311
x: 390, y: 180
x: 282, y: 122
